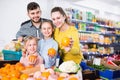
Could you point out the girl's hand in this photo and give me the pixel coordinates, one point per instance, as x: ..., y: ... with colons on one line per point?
x: 32, y: 59
x: 23, y: 52
x: 51, y: 52
x: 51, y: 55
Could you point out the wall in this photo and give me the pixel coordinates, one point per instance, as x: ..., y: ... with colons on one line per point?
x: 103, y: 9
x: 12, y: 14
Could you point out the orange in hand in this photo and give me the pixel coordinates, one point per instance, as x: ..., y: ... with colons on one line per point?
x: 65, y: 41
x: 32, y: 58
x: 51, y: 51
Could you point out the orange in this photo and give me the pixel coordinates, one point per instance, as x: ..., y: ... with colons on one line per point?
x: 20, y: 68
x: 15, y: 73
x: 51, y: 51
x: 7, y: 65
x: 5, y: 78
x: 38, y: 79
x: 60, y: 78
x: 12, y: 67
x: 73, y: 78
x: 45, y: 74
x: 18, y: 64
x: 24, y: 76
x: 32, y: 58
x: 14, y: 78
x: 65, y: 41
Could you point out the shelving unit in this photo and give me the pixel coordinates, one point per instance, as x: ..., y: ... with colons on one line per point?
x: 110, y: 38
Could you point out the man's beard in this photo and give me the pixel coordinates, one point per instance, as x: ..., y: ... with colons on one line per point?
x: 35, y: 21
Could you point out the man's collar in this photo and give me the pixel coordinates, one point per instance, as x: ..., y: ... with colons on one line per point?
x: 31, y: 24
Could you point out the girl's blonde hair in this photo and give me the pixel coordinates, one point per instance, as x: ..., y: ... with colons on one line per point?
x: 28, y: 38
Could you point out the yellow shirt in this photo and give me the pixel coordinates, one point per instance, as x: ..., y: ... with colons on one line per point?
x: 75, y: 52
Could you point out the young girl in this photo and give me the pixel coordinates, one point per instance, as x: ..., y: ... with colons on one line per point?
x: 46, y: 43
x: 31, y: 56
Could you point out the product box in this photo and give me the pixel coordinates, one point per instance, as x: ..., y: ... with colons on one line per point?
x: 11, y: 55
x: 88, y: 72
x: 110, y: 74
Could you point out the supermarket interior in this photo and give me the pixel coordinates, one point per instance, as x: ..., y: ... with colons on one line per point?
x: 98, y: 26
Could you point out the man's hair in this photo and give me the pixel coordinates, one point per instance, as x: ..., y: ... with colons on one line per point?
x: 32, y: 6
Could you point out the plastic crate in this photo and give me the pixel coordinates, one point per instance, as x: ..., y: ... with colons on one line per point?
x: 110, y: 74
x: 107, y: 74
x: 11, y: 55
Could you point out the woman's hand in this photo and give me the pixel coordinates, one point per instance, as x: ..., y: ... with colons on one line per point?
x: 68, y: 48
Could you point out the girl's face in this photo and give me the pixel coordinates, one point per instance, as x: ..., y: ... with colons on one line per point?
x: 47, y: 30
x: 31, y: 46
x: 58, y: 19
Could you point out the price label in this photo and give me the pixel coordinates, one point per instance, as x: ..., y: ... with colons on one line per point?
x: 97, y: 61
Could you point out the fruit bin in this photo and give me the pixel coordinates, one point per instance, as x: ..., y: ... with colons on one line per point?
x: 11, y: 55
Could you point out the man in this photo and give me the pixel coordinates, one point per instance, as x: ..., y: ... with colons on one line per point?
x: 31, y: 27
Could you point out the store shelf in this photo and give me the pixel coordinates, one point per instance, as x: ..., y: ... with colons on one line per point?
x: 78, y: 21
x: 91, y: 30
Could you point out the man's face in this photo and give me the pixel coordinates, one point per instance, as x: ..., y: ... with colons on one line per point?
x: 35, y: 15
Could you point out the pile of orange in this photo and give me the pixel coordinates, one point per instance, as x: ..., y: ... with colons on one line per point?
x: 12, y: 71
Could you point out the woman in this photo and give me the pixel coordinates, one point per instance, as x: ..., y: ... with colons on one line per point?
x: 64, y: 29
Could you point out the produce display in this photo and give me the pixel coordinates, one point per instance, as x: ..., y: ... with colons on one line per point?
x: 19, y: 72
x: 14, y: 46
x: 69, y: 67
x: 99, y: 67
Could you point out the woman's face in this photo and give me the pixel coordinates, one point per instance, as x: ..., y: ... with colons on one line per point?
x: 47, y: 30
x: 58, y: 19
x: 31, y: 46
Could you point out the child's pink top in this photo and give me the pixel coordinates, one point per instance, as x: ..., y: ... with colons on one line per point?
x: 24, y: 60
